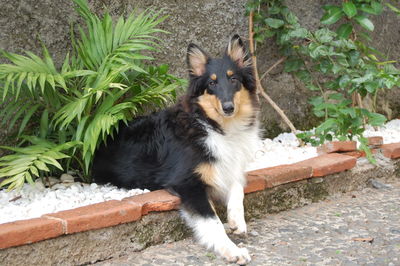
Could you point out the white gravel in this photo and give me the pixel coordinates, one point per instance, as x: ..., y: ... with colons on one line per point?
x: 281, y: 150
x: 390, y: 131
x: 34, y: 201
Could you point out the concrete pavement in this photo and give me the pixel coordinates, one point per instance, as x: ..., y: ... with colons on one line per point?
x: 355, y: 228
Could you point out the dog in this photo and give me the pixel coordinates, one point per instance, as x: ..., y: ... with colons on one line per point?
x: 197, y: 149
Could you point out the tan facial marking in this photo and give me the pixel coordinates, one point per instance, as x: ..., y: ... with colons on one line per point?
x: 243, y: 104
x: 244, y: 108
x: 229, y: 73
x: 213, y: 77
x: 211, y: 106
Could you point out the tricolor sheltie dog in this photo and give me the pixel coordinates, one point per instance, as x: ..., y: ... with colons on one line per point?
x: 197, y: 149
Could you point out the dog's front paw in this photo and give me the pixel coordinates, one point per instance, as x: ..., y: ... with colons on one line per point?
x: 237, y: 255
x: 237, y: 224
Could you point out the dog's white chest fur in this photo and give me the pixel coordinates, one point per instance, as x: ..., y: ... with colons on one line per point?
x: 233, y: 151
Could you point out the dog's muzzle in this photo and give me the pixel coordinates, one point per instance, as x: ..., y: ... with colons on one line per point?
x: 228, y: 108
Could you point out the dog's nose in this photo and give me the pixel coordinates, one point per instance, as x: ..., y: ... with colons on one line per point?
x: 228, y: 108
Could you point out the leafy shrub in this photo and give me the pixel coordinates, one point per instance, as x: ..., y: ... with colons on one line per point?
x: 64, y: 113
x: 340, y: 65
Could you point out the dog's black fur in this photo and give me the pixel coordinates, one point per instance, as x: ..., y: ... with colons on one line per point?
x: 165, y: 149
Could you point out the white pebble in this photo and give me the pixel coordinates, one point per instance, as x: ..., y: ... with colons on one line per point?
x: 67, y: 178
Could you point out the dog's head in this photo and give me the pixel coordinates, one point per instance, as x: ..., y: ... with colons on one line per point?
x: 221, y: 84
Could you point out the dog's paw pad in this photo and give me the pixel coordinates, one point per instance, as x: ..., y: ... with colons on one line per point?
x: 239, y: 256
x: 244, y: 257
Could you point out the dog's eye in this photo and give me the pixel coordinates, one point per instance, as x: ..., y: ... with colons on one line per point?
x: 233, y: 79
x: 211, y: 83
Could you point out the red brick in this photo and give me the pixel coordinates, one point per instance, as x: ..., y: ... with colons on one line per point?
x: 391, y: 150
x: 375, y: 141
x: 98, y: 215
x: 358, y: 153
x: 337, y: 146
x: 155, y: 201
x: 283, y: 174
x: 28, y: 231
x: 329, y: 164
x: 255, y: 183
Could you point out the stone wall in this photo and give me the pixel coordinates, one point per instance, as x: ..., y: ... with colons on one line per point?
x: 208, y: 23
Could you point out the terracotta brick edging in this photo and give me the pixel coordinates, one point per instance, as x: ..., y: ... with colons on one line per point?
x: 29, y: 231
x: 330, y: 163
x: 98, y: 215
x: 337, y: 146
x: 130, y: 209
x: 155, y: 201
x: 391, y: 150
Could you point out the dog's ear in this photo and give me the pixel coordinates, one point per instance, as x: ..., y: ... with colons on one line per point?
x: 196, y: 59
x: 237, y: 52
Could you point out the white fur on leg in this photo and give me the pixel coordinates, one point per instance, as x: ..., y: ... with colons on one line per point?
x: 236, y: 210
x: 210, y: 232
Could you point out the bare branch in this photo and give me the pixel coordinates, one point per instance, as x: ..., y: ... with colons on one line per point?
x: 277, y: 63
x: 260, y: 89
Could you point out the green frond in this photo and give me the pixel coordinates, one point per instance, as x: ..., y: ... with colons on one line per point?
x: 27, y: 162
x: 114, y: 45
x: 29, y: 70
x: 71, y: 111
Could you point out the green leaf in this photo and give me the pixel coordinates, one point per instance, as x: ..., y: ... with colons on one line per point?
x: 17, y: 116
x: 371, y: 86
x: 348, y: 111
x: 321, y: 50
x: 344, y: 81
x: 303, y: 75
x: 27, y: 117
x: 312, y: 87
x: 41, y: 166
x: 299, y: 33
x: 274, y: 23
x: 336, y: 96
x: 28, y: 178
x: 319, y: 113
x: 393, y: 8
x: 324, y: 35
x: 315, y: 101
x: 44, y: 123
x: 343, y: 62
x: 344, y: 30
x: 375, y: 119
x: 329, y: 125
x: 34, y: 170
x: 364, y: 22
x: 51, y: 161
x: 349, y: 9
x: 332, y: 15
x: 293, y: 65
x: 273, y: 10
x: 325, y: 65
x: 354, y: 57
x: 377, y: 7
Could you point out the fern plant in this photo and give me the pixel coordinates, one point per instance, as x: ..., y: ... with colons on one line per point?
x: 73, y: 108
